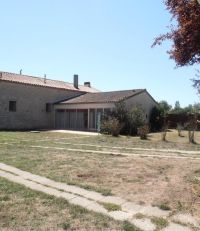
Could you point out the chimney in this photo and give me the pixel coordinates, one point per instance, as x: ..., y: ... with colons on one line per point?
x: 87, y: 84
x: 20, y: 72
x: 76, y: 81
x: 45, y: 78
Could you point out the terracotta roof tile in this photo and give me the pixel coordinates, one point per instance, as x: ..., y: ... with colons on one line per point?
x: 103, y: 97
x: 36, y: 81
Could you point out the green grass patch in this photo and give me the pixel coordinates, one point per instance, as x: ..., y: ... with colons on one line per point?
x: 139, y: 216
x: 163, y: 206
x: 195, y: 180
x: 159, y: 222
x: 103, y: 191
x: 111, y: 206
x: 130, y: 227
x: 197, y: 171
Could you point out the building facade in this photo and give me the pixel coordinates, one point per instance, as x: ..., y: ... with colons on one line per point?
x: 28, y: 102
x: 84, y: 112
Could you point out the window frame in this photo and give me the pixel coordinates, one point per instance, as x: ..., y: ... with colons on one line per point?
x: 48, y: 107
x: 12, y: 106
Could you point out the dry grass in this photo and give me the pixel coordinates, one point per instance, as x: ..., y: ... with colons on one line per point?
x: 142, y: 180
x: 22, y: 209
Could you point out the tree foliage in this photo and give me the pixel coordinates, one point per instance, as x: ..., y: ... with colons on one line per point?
x: 129, y: 120
x: 184, y: 33
x: 196, y: 81
x: 158, y: 114
x: 164, y: 107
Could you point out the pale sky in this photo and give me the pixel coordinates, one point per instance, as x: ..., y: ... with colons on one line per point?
x: 106, y: 42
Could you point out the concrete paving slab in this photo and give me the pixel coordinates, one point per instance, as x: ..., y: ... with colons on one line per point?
x: 144, y: 224
x: 176, y: 227
x: 70, y: 188
x: 154, y: 211
x: 35, y: 186
x: 131, y: 207
x: 76, y: 132
x: 67, y: 196
x: 94, y: 196
x: 95, y: 207
x: 186, y: 219
x: 81, y: 201
x: 114, y: 200
x: 119, y: 215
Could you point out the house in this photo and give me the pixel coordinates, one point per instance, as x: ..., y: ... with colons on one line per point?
x: 81, y: 112
x: 28, y: 102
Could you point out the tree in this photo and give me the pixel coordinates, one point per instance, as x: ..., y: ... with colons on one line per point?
x: 164, y: 107
x: 196, y: 108
x: 158, y: 113
x: 184, y: 33
x: 196, y: 81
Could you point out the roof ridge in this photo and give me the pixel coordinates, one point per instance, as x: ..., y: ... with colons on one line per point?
x: 104, y: 97
x: 37, y: 77
x: 139, y: 89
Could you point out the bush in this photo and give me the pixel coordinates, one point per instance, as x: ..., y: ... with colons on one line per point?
x: 123, y: 121
x: 164, y: 134
x: 111, y: 126
x: 191, y: 126
x: 131, y: 119
x: 143, y: 132
x: 135, y: 120
x: 179, y: 129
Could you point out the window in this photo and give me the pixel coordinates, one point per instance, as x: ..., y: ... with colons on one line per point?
x: 48, y: 107
x: 12, y: 106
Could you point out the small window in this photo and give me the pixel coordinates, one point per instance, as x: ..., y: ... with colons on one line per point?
x: 12, y: 106
x: 48, y: 107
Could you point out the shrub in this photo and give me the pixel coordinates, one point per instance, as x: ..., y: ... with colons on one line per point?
x: 163, y: 135
x: 164, y: 130
x: 135, y: 120
x: 111, y: 126
x: 123, y: 121
x: 143, y: 132
x: 179, y: 129
x: 191, y: 126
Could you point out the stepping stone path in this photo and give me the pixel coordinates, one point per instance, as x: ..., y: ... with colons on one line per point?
x: 185, y: 219
x: 93, y: 201
x: 176, y: 227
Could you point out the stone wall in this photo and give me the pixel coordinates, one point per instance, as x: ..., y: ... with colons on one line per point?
x: 144, y: 101
x: 31, y: 105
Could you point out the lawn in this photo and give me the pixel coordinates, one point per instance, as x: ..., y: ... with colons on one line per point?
x: 167, y: 180
x: 22, y: 209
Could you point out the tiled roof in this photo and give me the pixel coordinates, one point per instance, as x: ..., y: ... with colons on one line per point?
x: 103, y: 97
x: 36, y: 81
